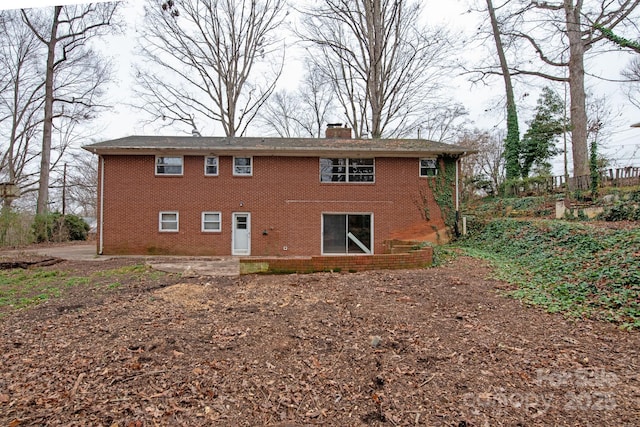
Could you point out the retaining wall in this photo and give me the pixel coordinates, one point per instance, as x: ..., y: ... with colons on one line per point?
x: 415, y: 259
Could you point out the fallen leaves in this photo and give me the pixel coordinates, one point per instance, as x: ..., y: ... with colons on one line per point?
x: 377, y: 348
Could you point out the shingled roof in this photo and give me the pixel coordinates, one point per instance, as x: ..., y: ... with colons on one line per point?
x: 292, y: 147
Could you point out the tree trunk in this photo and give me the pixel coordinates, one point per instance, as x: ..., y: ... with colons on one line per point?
x: 12, y: 139
x: 47, y: 130
x: 576, y: 90
x: 375, y: 84
x: 512, y: 142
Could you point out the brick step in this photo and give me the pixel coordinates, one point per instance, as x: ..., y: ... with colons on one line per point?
x: 402, y: 249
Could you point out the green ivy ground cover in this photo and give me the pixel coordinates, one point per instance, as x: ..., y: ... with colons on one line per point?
x: 573, y: 268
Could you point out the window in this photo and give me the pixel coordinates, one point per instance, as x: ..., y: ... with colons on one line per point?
x: 346, y: 234
x: 211, y: 166
x: 168, y: 165
x: 211, y: 222
x: 347, y: 170
x: 169, y: 221
x: 242, y: 166
x: 428, y: 167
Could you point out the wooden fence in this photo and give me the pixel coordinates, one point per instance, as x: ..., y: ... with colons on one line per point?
x: 620, y: 177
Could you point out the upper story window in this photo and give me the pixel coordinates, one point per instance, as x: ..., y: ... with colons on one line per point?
x: 242, y: 166
x: 166, y: 165
x: 428, y: 167
x: 211, y: 165
x: 347, y: 170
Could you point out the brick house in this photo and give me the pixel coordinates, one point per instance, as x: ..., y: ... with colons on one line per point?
x: 272, y: 196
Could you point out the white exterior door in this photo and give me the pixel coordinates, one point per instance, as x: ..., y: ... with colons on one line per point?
x: 241, y: 236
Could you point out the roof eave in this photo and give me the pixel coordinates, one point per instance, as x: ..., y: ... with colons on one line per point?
x: 284, y: 152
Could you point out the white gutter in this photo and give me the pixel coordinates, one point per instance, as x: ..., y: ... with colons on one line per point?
x: 101, y: 237
x: 457, y: 195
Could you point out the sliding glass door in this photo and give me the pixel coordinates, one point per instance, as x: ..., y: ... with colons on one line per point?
x: 346, y: 234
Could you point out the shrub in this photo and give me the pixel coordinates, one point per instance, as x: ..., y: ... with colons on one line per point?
x: 54, y: 227
x: 76, y: 227
x: 621, y: 212
x: 15, y: 228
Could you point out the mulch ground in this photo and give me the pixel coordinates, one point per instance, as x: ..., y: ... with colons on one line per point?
x: 436, y: 347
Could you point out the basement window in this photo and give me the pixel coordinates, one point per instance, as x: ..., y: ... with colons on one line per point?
x: 428, y: 167
x: 211, y: 222
x: 211, y: 166
x: 168, y: 165
x: 349, y: 234
x: 169, y: 221
x: 347, y: 170
x: 242, y: 166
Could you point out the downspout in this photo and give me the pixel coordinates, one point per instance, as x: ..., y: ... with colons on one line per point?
x: 457, y: 228
x: 101, y: 237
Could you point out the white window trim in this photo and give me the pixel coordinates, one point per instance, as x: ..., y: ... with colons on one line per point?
x: 160, y: 222
x: 251, y: 165
x: 347, y: 165
x: 219, y: 230
x: 155, y: 166
x: 217, y: 165
x: 420, y: 167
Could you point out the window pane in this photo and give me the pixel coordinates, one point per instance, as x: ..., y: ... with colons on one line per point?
x: 169, y: 221
x: 334, y: 235
x: 169, y: 165
x: 211, y: 221
x: 360, y: 228
x: 333, y: 170
x: 169, y: 217
x: 361, y: 170
x: 242, y: 165
x: 171, y: 160
x: 211, y: 167
x: 428, y: 167
x: 241, y: 223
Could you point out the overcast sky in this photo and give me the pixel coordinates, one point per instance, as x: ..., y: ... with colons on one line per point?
x: 482, y: 102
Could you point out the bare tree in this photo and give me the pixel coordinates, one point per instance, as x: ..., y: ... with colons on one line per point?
x: 208, y: 60
x: 558, y: 34
x: 317, y: 100
x: 443, y: 123
x: 21, y: 101
x: 81, y: 182
x: 484, y: 170
x: 74, y: 74
x: 383, y: 66
x: 632, y: 74
x: 512, y: 143
x: 303, y: 112
x: 280, y: 114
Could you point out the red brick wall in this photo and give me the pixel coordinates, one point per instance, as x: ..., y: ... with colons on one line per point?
x: 284, y: 196
x: 416, y: 259
x: 338, y: 132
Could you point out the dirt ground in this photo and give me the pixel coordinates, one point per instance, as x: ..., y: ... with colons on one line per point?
x: 435, y: 347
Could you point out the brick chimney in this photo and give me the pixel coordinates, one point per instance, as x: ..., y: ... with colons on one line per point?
x: 338, y: 131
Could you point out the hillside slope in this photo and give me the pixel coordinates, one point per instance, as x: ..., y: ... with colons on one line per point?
x: 580, y: 269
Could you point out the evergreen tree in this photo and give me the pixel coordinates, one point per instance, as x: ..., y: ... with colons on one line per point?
x: 538, y: 143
